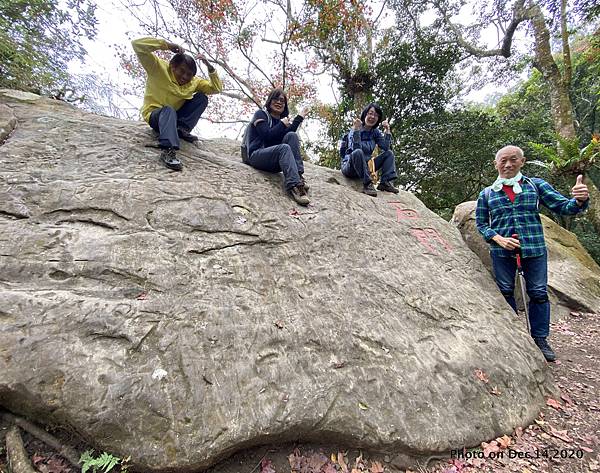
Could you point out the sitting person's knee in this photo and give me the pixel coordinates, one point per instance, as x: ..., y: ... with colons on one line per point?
x: 357, y: 154
x: 201, y: 98
x: 284, y: 149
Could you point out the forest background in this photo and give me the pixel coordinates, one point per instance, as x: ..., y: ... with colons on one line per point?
x: 421, y: 60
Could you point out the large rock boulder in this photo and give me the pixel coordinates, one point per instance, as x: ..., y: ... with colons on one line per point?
x: 573, y: 276
x: 178, y: 317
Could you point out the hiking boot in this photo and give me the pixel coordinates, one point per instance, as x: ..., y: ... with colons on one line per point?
x: 185, y: 135
x: 387, y: 187
x: 169, y: 157
x: 298, y: 193
x: 544, y: 347
x: 303, y: 183
x: 369, y: 190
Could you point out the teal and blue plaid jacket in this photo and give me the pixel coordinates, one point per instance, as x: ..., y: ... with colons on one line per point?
x: 497, y: 215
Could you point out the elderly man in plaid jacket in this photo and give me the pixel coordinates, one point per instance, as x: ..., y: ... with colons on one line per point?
x: 510, y: 207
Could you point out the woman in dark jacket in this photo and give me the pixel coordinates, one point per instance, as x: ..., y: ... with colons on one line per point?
x: 274, y: 146
x: 362, y: 139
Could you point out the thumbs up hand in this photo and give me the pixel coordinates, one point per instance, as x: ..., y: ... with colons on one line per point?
x: 580, y: 191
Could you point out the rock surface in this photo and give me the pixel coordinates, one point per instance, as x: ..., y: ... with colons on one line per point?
x: 179, y: 317
x: 573, y: 276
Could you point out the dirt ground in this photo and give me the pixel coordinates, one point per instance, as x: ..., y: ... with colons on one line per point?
x: 564, y: 439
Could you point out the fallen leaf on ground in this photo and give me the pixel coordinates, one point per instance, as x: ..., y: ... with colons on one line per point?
x: 481, y: 376
x: 266, y: 466
x: 567, y: 399
x: 560, y: 434
x: 376, y: 467
x: 329, y: 468
x: 504, y: 441
x: 316, y: 461
x: 554, y: 404
x: 342, y: 462
x: 37, y: 458
x: 55, y: 465
x: 295, y: 459
x: 488, y: 448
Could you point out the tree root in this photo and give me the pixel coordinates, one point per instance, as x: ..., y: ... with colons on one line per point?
x: 18, y: 461
x: 63, y: 450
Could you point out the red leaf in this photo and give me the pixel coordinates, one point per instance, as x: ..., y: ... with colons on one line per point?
x: 567, y: 399
x: 376, y: 467
x: 481, y: 376
x: 554, y: 404
x: 560, y: 434
x: 37, y: 458
x: 266, y: 466
x: 316, y: 461
x: 55, y: 465
x: 342, y: 461
x: 329, y: 468
x: 491, y: 447
x: 504, y: 441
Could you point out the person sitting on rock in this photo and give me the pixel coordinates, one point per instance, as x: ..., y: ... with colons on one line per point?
x: 274, y: 145
x: 174, y: 98
x: 510, y: 206
x: 362, y: 139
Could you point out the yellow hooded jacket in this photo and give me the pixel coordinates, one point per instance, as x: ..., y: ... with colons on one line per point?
x: 161, y: 87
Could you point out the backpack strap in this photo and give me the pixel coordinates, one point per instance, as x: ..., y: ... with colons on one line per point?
x: 537, y: 192
x: 486, y: 193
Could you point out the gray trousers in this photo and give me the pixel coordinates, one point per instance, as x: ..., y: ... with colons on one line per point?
x: 166, y: 120
x: 281, y: 158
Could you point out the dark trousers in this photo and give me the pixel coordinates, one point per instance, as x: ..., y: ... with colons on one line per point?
x: 356, y: 166
x: 535, y: 270
x: 284, y: 157
x: 166, y: 120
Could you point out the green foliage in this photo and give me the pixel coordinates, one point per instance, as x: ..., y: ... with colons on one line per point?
x: 413, y: 79
x: 103, y: 463
x: 585, y: 85
x: 38, y: 38
x: 448, y: 159
x: 524, y: 114
x: 566, y: 157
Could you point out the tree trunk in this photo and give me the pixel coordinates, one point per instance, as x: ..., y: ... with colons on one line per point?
x: 593, y: 213
x: 560, y: 102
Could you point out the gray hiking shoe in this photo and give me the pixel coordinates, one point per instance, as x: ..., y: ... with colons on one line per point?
x: 298, y: 193
x: 303, y: 183
x: 545, y: 348
x: 169, y: 158
x: 369, y: 189
x: 185, y: 135
x: 387, y: 187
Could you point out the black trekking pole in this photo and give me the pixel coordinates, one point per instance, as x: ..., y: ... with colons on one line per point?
x: 522, y: 284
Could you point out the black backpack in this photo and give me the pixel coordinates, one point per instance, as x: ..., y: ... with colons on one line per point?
x: 343, y: 145
x: 245, y: 146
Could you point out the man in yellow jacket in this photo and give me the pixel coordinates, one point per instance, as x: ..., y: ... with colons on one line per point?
x: 174, y: 98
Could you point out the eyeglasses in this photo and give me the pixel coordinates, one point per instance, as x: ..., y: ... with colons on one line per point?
x: 279, y: 100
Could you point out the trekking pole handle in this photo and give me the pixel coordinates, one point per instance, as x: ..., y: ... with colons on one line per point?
x: 517, y: 250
